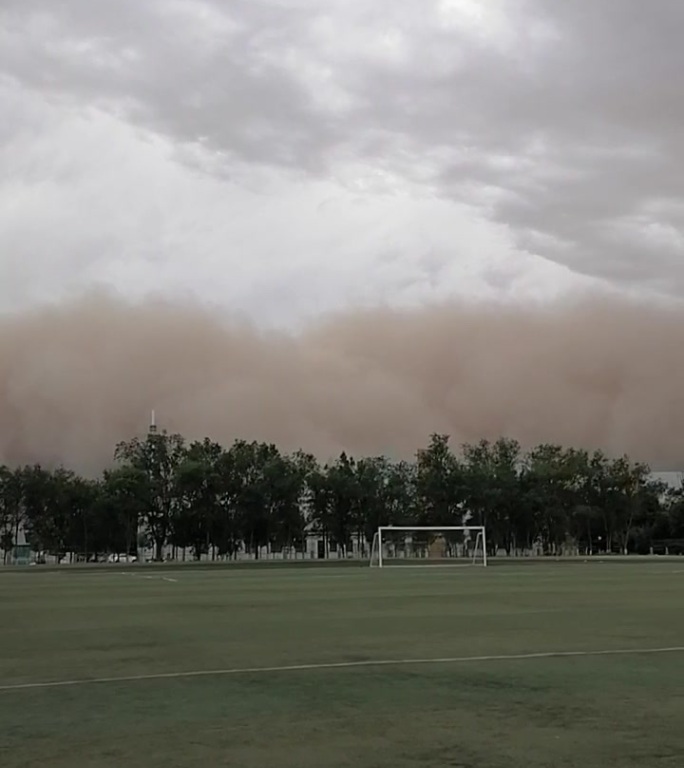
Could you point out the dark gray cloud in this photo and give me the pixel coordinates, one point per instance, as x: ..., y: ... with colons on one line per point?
x: 560, y: 120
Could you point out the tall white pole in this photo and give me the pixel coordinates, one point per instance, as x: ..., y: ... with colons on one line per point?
x: 484, y: 547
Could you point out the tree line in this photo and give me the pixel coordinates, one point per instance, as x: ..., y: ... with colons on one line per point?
x: 206, y: 499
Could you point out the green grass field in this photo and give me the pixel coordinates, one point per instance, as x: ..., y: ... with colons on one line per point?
x: 585, y: 710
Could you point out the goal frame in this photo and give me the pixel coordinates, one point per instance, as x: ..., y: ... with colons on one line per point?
x: 477, y: 529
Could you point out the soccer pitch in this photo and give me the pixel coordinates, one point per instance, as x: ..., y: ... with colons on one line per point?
x: 547, y: 664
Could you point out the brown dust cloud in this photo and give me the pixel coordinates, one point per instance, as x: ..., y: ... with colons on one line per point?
x: 77, y: 378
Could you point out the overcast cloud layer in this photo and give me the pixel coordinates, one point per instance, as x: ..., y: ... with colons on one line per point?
x: 284, y: 157
x: 395, y: 161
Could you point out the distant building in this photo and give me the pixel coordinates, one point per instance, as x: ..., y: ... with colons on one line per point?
x: 673, y: 480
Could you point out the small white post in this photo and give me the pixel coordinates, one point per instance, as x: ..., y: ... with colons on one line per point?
x: 379, y: 547
x: 484, y: 547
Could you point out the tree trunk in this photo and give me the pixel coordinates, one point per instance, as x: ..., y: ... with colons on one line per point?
x: 129, y: 538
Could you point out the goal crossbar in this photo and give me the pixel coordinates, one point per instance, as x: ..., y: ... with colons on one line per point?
x: 477, y: 530
x: 435, y: 528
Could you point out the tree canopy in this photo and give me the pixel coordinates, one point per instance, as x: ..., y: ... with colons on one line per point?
x: 209, y: 500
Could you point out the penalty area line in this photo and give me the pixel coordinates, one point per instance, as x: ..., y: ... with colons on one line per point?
x: 369, y: 663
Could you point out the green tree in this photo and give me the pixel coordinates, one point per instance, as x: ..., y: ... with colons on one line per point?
x: 266, y: 490
x: 80, y: 499
x: 615, y: 489
x: 506, y: 498
x: 438, y: 490
x: 157, y: 458
x: 286, y: 480
x: 492, y: 489
x: 6, y: 544
x: 671, y: 527
x: 477, y: 479
x: 372, y: 497
x: 628, y: 498
x: 47, y: 509
x: 198, y: 480
x: 11, y: 509
x: 124, y: 499
x: 336, y: 493
x: 438, y: 484
x: 226, y: 533
x: 551, y: 494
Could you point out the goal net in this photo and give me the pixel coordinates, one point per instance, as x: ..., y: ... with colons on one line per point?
x: 429, y: 546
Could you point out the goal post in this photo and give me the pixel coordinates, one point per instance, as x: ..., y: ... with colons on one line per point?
x: 429, y: 546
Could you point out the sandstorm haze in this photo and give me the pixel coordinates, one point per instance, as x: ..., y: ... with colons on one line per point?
x: 428, y: 215
x: 75, y: 379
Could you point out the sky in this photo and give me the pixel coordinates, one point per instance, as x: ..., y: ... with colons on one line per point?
x: 311, y: 193
x: 285, y: 158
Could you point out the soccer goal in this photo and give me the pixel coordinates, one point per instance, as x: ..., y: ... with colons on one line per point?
x: 429, y: 546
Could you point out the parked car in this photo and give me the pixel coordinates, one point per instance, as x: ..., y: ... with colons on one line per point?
x: 122, y: 558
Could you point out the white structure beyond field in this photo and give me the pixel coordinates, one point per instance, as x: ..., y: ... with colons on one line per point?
x: 429, y: 546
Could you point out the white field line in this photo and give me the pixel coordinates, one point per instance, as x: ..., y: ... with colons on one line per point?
x: 434, y: 565
x: 144, y: 576
x: 343, y: 665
